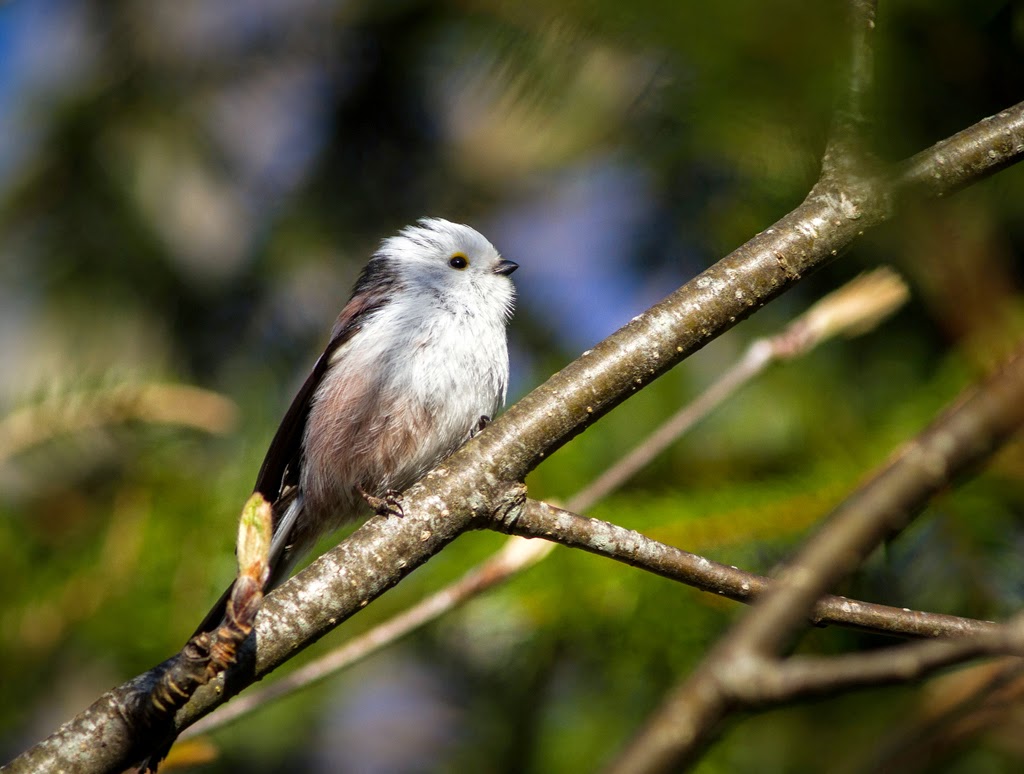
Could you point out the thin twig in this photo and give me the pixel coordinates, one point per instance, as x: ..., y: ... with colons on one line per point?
x: 852, y: 310
x: 174, y: 404
x: 807, y: 676
x: 542, y: 520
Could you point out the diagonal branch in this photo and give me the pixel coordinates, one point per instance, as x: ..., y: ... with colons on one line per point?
x: 968, y: 433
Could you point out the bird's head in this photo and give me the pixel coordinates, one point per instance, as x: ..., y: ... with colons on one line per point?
x: 453, y: 264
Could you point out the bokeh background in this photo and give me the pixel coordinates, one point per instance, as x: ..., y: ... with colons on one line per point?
x: 188, y: 190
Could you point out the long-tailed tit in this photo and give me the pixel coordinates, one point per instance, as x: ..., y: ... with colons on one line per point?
x: 416, y: 364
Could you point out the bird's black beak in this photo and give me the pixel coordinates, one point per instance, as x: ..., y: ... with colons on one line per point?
x: 506, y: 267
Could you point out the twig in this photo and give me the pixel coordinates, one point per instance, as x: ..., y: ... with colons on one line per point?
x: 158, y: 403
x: 541, y: 520
x: 854, y: 309
x: 973, y: 154
x: 807, y: 676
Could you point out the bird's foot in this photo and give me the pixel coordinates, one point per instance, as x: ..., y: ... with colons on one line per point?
x: 390, y: 504
x: 480, y: 425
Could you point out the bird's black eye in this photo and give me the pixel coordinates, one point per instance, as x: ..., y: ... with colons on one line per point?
x: 458, y: 261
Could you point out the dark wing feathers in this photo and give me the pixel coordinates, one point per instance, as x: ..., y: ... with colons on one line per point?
x: 280, y: 468
x: 286, y: 448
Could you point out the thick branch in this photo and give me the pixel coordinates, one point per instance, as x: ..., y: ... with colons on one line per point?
x: 973, y: 154
x: 774, y: 260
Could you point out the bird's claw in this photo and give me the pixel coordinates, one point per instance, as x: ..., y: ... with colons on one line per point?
x: 389, y: 504
x: 480, y: 425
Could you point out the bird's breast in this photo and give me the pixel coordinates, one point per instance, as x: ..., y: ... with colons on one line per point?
x: 399, y: 396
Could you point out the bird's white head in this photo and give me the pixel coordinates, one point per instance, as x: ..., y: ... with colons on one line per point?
x: 453, y: 263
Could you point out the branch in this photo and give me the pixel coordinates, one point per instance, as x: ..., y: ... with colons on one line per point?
x: 967, y: 157
x: 541, y: 520
x: 807, y: 676
x: 480, y: 479
x: 969, y: 432
x: 516, y: 555
x: 545, y: 521
x: 846, y: 157
x: 855, y: 308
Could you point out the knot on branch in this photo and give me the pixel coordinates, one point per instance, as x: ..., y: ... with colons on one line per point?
x: 509, y: 507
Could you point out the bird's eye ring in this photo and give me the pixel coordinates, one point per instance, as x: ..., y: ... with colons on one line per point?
x: 458, y: 261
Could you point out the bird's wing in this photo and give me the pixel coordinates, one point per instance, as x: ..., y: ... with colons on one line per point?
x: 281, y: 467
x: 279, y: 473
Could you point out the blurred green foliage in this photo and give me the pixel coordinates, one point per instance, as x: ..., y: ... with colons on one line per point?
x: 188, y: 191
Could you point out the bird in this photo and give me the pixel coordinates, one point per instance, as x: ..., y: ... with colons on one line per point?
x: 416, y: 364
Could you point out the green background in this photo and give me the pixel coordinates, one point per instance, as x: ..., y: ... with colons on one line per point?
x: 187, y: 192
